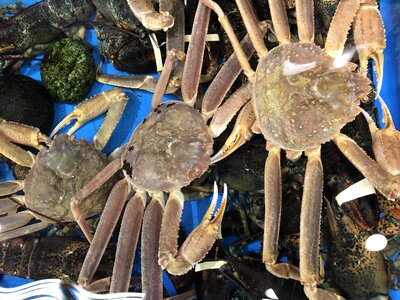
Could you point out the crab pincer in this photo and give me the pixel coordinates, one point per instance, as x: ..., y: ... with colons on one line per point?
x: 145, y: 12
x: 369, y: 36
x: 197, y: 244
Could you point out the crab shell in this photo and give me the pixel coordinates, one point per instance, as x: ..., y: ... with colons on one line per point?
x: 59, y: 172
x: 168, y: 149
x: 301, y: 99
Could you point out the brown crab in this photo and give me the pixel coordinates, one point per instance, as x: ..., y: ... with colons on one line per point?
x: 302, y: 96
x: 56, y: 161
x: 56, y: 174
x: 167, y: 151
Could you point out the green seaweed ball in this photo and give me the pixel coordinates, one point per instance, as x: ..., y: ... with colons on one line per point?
x: 68, y: 70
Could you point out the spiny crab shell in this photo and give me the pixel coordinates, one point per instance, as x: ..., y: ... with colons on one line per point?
x: 169, y: 149
x: 59, y: 173
x: 302, y: 99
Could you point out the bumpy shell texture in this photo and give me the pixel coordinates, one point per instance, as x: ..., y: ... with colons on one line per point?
x: 61, y: 171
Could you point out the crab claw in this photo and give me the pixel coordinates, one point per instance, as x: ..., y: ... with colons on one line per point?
x: 386, y: 141
x: 113, y: 101
x: 12, y: 133
x: 241, y: 133
x: 197, y: 244
x: 369, y: 36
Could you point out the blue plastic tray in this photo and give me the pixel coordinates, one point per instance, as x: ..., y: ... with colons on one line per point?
x: 140, y: 104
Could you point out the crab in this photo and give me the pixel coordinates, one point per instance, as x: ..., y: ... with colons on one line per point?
x: 302, y: 96
x: 49, y: 186
x: 48, y: 200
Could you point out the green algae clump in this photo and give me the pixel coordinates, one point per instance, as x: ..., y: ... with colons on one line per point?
x: 68, y: 70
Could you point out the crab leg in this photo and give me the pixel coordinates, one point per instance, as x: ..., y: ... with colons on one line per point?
x: 112, y: 100
x: 305, y: 20
x: 10, y: 187
x: 226, y: 76
x: 197, y: 244
x: 340, y: 26
x: 11, y: 132
x: 253, y: 29
x: 385, y: 141
x: 14, y: 221
x: 228, y: 110
x: 159, y: 91
x: 273, y: 207
x: 280, y: 21
x: 141, y: 82
x: 7, y: 206
x: 241, y: 133
x: 369, y: 37
x: 108, y: 220
x: 24, y: 230
x: 89, y: 188
x: 382, y: 180
x: 240, y: 54
x: 175, y: 35
x: 195, y: 55
x: 127, y: 242
x: 144, y: 11
x: 151, y: 270
x: 310, y: 218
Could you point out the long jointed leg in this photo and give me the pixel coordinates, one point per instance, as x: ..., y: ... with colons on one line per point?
x: 13, y: 224
x: 10, y: 187
x: 13, y: 221
x: 24, y: 230
x: 141, y: 82
x: 280, y: 21
x: 113, y: 101
x: 273, y: 207
x: 382, y: 180
x: 252, y: 25
x: 199, y: 241
x: 226, y: 76
x: 127, y: 241
x: 227, y: 111
x: 340, y: 26
x: 195, y: 55
x: 310, y: 222
x: 151, y: 270
x: 159, y: 91
x: 176, y: 34
x: 108, y: 221
x: 305, y: 20
x: 101, y: 178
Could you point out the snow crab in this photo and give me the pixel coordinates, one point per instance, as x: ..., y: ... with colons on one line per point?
x: 302, y: 96
x: 57, y: 172
x: 66, y: 164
